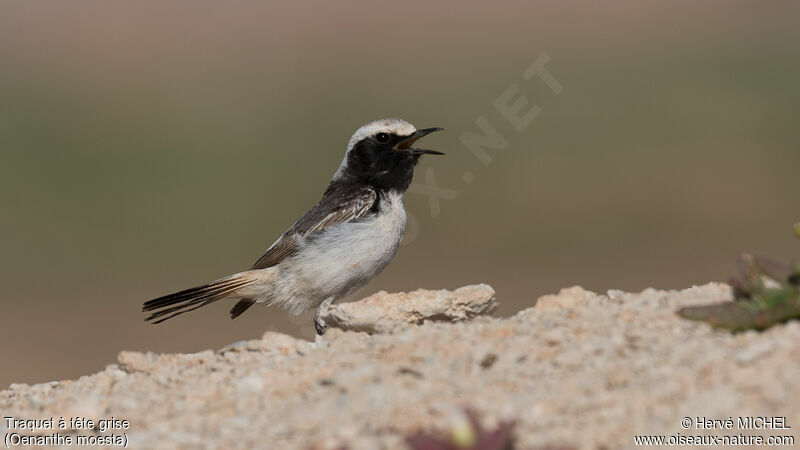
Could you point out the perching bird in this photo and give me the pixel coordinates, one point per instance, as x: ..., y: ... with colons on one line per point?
x: 335, y: 248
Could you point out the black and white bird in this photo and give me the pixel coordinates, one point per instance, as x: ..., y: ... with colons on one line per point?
x: 335, y: 248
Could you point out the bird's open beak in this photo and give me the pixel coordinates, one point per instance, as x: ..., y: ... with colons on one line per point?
x: 406, y: 143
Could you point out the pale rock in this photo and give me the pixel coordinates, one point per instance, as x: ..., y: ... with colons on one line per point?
x: 136, y: 361
x: 567, y: 299
x: 579, y: 370
x: 387, y: 313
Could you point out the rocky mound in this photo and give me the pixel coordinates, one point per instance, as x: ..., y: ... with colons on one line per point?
x: 578, y: 369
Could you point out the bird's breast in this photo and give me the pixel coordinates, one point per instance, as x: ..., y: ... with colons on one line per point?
x: 373, y: 240
x: 347, y: 256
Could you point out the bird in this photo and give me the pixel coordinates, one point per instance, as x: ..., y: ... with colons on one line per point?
x: 335, y: 248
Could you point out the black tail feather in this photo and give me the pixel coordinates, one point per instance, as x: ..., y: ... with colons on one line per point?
x: 187, y: 294
x: 241, y: 306
x: 179, y: 312
x: 185, y: 301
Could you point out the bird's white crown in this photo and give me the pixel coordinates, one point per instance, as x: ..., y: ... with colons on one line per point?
x: 395, y: 126
x: 392, y: 125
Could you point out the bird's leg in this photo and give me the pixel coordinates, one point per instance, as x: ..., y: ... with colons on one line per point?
x: 319, y: 324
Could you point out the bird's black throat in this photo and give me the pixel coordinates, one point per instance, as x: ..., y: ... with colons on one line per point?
x: 380, y: 166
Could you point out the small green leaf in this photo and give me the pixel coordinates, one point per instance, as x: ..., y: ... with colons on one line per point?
x: 765, y: 293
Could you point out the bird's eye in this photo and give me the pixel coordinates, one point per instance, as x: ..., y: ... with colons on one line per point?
x: 382, y: 138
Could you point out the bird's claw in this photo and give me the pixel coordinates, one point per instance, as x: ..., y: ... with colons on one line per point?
x: 320, y: 326
x: 319, y: 322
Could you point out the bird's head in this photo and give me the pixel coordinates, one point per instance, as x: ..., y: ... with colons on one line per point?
x: 382, y: 153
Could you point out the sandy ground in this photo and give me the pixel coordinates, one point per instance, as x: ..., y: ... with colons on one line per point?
x: 578, y: 369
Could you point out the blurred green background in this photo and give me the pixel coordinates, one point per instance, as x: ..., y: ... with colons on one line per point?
x: 146, y: 147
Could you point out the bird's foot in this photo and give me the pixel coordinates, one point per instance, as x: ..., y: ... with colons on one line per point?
x: 319, y: 323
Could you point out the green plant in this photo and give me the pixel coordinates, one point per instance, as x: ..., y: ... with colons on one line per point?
x: 467, y: 434
x: 766, y: 292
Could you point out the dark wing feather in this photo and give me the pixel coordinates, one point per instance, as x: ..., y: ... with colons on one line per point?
x: 282, y: 248
x: 338, y: 205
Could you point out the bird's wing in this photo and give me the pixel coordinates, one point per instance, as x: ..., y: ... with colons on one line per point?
x: 337, y: 206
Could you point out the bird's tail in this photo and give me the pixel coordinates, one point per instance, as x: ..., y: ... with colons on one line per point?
x: 171, y: 305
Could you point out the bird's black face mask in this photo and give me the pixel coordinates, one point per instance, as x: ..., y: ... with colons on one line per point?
x: 386, y: 160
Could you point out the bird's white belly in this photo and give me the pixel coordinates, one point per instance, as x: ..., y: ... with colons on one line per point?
x: 345, y: 257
